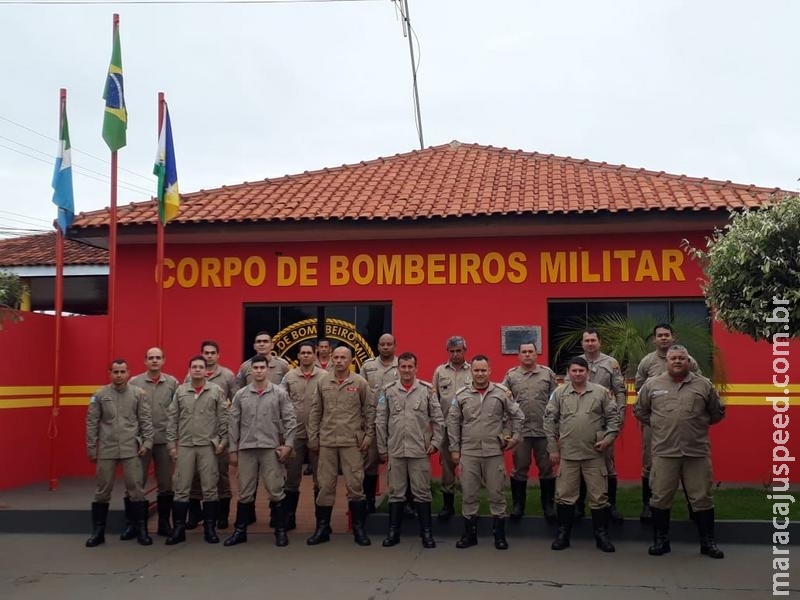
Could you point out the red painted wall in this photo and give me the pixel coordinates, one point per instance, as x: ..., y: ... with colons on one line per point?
x: 423, y: 314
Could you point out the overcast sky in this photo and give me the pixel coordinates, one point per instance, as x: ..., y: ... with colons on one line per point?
x: 704, y: 88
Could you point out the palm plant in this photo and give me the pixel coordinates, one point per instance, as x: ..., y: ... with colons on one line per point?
x: 628, y: 340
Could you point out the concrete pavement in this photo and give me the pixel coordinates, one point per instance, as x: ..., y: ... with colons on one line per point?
x: 39, y: 566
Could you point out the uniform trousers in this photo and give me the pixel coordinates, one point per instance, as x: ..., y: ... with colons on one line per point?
x: 294, y: 465
x: 695, y: 472
x: 223, y: 483
x: 351, y: 461
x: 191, y: 460
x: 647, y: 447
x: 401, y: 470
x: 522, y: 458
x: 448, y: 467
x: 609, y: 457
x: 162, y: 468
x: 104, y: 476
x: 372, y: 458
x: 263, y: 464
x: 490, y: 470
x: 568, y: 482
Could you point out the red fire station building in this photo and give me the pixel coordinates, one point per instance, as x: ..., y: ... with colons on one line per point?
x: 459, y: 239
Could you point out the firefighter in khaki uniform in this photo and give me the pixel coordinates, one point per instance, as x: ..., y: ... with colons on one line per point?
x: 447, y: 380
x: 301, y: 385
x: 680, y: 406
x: 651, y: 365
x: 531, y: 385
x: 119, y: 430
x: 409, y: 427
x: 581, y: 420
x: 475, y: 426
x: 379, y: 372
x: 159, y: 388
x: 197, y: 432
x: 341, y: 426
x: 262, y: 430
x: 604, y: 370
x: 225, y: 379
x: 276, y: 366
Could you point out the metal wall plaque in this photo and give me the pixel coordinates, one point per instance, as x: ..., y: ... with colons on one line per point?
x: 511, y: 336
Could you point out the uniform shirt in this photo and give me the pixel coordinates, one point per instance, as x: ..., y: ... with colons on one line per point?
x: 531, y: 390
x: 118, y: 423
x: 261, y: 419
x: 606, y: 372
x: 276, y: 369
x: 655, y: 364
x: 447, y: 380
x: 198, y: 419
x: 576, y: 421
x: 160, y: 396
x: 475, y: 420
x: 408, y: 421
x: 328, y: 367
x: 225, y: 379
x: 301, y: 389
x: 342, y: 414
x: 379, y: 375
x: 679, y: 413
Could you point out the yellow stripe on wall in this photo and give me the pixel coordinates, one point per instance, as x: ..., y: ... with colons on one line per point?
x: 40, y: 402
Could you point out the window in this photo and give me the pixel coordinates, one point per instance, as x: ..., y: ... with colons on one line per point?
x: 568, y: 315
x: 356, y: 325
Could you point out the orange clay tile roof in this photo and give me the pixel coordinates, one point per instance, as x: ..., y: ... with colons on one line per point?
x: 39, y: 250
x: 452, y: 180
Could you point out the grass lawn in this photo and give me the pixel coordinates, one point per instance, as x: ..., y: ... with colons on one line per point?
x: 730, y: 503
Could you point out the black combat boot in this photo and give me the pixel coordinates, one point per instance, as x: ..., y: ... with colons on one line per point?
x: 279, y: 513
x: 660, y: 518
x: 547, y: 490
x: 140, y: 510
x: 210, y: 512
x: 425, y: 529
x: 612, y: 500
x: 580, y: 505
x: 470, y: 536
x: 705, y: 527
x: 370, y: 488
x: 164, y: 503
x: 179, y: 511
x: 600, y: 519
x: 290, y: 501
x: 566, y: 515
x: 499, y: 531
x: 408, y: 506
x: 194, y: 514
x: 129, y: 533
x: 519, y: 493
x: 395, y: 522
x: 448, y: 506
x: 358, y: 513
x: 99, y: 517
x: 239, y: 535
x: 323, y: 531
x: 224, y: 513
x: 647, y: 515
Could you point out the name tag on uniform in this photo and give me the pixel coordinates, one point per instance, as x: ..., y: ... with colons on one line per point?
x: 352, y: 389
x: 660, y: 392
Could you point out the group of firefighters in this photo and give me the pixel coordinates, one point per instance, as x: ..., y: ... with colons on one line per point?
x: 270, y: 419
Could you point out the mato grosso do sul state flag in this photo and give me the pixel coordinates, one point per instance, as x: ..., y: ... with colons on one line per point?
x: 62, y: 175
x: 115, y: 118
x: 169, y: 199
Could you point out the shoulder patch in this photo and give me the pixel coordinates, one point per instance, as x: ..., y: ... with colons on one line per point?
x: 93, y: 399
